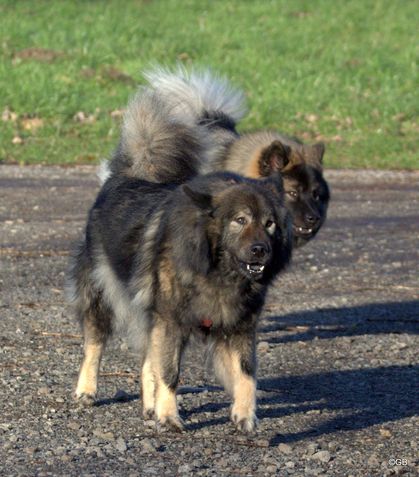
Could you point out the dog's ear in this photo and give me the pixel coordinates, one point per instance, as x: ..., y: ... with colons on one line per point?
x: 200, y: 199
x: 192, y: 248
x: 314, y: 154
x: 274, y: 158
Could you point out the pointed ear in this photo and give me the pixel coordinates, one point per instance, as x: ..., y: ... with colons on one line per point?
x: 201, y: 200
x: 274, y: 158
x: 315, y: 153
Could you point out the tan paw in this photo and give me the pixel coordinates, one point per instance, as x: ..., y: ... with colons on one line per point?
x: 85, y: 400
x: 245, y: 424
x: 171, y: 423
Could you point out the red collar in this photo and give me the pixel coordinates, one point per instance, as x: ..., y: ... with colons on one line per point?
x: 206, y: 324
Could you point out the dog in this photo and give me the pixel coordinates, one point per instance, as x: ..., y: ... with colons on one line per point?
x: 175, y: 259
x: 212, y: 107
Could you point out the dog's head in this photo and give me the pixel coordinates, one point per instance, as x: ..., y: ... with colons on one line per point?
x: 306, y: 191
x: 246, y: 231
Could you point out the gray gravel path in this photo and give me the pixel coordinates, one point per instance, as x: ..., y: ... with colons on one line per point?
x: 338, y: 349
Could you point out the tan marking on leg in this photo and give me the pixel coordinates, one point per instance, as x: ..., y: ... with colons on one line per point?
x: 148, y: 388
x: 240, y: 385
x: 87, y: 381
x: 165, y: 406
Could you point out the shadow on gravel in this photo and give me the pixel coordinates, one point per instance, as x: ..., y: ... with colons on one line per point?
x: 117, y: 400
x: 375, y: 318
x: 362, y: 398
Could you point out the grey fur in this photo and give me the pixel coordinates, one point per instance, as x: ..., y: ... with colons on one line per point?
x: 155, y: 144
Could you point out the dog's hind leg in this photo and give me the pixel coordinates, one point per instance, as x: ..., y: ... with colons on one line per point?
x: 96, y: 330
x: 167, y: 343
x: 235, y: 367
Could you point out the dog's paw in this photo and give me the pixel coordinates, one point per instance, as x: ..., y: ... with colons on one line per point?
x: 148, y: 414
x: 85, y: 400
x: 170, y: 423
x: 245, y: 424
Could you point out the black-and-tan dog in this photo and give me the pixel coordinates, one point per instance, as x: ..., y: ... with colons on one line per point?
x: 168, y: 261
x: 212, y: 108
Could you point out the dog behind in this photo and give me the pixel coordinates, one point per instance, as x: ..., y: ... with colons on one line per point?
x: 214, y: 107
x: 170, y: 261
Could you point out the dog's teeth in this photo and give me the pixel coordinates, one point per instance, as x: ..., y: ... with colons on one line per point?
x: 255, y: 268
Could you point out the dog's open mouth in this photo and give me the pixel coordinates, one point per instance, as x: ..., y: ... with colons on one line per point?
x: 253, y: 269
x: 303, y: 231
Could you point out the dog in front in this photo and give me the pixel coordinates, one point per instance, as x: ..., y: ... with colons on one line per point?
x: 167, y: 261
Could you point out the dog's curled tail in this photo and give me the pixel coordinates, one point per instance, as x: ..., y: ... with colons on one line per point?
x: 197, y: 94
x: 155, y: 145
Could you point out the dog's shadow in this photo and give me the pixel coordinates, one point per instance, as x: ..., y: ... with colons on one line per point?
x: 357, y: 398
x: 326, y: 323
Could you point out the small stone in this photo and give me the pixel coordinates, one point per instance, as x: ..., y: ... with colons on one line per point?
x: 262, y: 442
x: 147, y: 445
x: 385, y: 433
x: 322, y: 456
x: 333, y: 446
x: 120, y: 445
x: 290, y: 464
x: 107, y: 436
x: 31, y: 450
x: 184, y: 469
x: 285, y: 448
x: 263, y: 347
x: 373, y: 461
x: 271, y: 468
x: 312, y: 447
x: 308, y: 471
x: 43, y: 391
x: 75, y: 426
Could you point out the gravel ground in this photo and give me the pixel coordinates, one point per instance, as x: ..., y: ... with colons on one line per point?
x: 338, y: 349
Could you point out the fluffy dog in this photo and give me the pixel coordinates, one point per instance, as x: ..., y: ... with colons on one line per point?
x: 169, y: 261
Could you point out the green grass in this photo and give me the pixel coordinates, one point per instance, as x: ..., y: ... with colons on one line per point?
x: 341, y: 71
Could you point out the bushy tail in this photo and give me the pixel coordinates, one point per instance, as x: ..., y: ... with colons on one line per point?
x: 196, y: 94
x: 178, y: 126
x: 155, y: 145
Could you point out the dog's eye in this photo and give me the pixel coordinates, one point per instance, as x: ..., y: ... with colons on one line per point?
x: 316, y: 195
x: 270, y: 226
x: 292, y: 193
x: 240, y: 220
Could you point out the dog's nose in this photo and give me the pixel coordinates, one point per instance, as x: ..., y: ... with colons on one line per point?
x: 311, y: 219
x: 259, y: 250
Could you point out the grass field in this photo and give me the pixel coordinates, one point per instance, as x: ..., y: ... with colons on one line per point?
x: 344, y: 72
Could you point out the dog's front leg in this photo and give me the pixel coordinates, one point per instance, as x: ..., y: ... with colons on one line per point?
x: 235, y: 366
x: 165, y: 353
